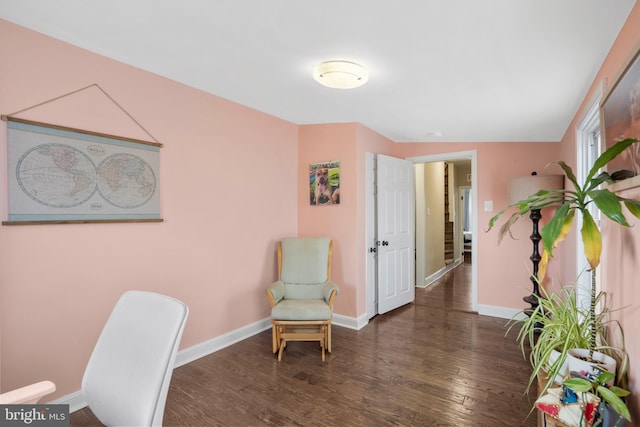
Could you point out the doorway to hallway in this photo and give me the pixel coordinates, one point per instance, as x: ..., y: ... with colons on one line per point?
x: 464, y: 240
x: 371, y: 224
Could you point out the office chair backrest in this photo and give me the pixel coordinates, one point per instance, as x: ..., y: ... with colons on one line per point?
x: 127, y: 378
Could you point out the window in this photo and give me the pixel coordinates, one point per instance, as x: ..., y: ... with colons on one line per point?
x: 588, y: 149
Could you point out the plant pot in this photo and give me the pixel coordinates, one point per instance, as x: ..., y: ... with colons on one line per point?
x: 607, y: 417
x: 564, y: 370
x: 578, y: 361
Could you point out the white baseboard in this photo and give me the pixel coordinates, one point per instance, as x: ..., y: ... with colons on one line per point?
x: 501, y: 312
x: 77, y: 401
x: 218, y: 343
x: 431, y: 279
x: 350, y: 322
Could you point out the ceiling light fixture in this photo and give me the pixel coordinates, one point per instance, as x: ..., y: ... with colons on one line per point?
x: 340, y: 74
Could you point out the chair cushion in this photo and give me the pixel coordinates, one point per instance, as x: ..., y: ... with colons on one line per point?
x: 296, y: 291
x: 315, y: 309
x: 305, y: 260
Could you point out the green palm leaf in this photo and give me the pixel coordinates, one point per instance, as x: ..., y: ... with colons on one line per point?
x: 569, y: 172
x: 632, y: 205
x: 591, y: 239
x: 552, y: 230
x: 616, y: 403
x: 609, y: 205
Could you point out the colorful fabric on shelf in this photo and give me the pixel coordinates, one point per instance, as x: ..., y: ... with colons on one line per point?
x: 572, y: 410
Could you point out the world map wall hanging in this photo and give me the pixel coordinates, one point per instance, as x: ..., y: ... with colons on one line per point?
x: 64, y: 175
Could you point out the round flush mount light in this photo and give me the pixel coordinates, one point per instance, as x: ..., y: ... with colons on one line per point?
x: 340, y: 74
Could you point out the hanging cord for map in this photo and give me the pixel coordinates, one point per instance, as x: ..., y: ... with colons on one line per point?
x: 80, y: 90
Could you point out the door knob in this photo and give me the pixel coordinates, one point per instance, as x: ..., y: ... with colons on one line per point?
x: 372, y: 250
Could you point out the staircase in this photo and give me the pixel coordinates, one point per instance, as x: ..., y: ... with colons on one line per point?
x: 448, y: 225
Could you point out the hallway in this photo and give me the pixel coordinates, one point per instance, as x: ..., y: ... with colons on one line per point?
x: 452, y: 291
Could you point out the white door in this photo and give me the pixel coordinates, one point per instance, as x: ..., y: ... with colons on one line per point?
x: 396, y: 225
x: 370, y: 232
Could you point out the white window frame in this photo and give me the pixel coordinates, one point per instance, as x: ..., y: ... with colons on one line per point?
x: 588, y: 148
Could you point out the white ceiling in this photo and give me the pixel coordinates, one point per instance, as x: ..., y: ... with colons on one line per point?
x: 470, y: 70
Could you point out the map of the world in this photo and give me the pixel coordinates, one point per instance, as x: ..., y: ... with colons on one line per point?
x: 60, y: 176
x: 57, y: 174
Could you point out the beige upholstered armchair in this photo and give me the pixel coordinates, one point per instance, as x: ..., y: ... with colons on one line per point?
x: 302, y: 299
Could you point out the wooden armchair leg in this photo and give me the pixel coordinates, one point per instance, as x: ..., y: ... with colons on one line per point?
x: 283, y: 344
x: 275, y: 338
x: 323, y: 343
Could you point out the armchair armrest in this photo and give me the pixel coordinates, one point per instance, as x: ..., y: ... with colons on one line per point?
x: 330, y: 292
x: 275, y: 292
x: 29, y: 394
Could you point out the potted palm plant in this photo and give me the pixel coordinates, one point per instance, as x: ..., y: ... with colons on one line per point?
x: 569, y: 202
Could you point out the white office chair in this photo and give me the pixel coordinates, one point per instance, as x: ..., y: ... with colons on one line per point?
x: 127, y: 378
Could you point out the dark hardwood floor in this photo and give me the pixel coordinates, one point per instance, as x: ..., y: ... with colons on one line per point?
x: 430, y: 363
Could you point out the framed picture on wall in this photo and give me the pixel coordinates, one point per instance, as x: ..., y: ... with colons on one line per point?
x: 620, y: 115
x: 324, y: 183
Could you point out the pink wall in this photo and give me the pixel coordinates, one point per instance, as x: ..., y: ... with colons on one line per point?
x: 228, y: 193
x: 621, y: 246
x: 318, y: 144
x: 619, y: 271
